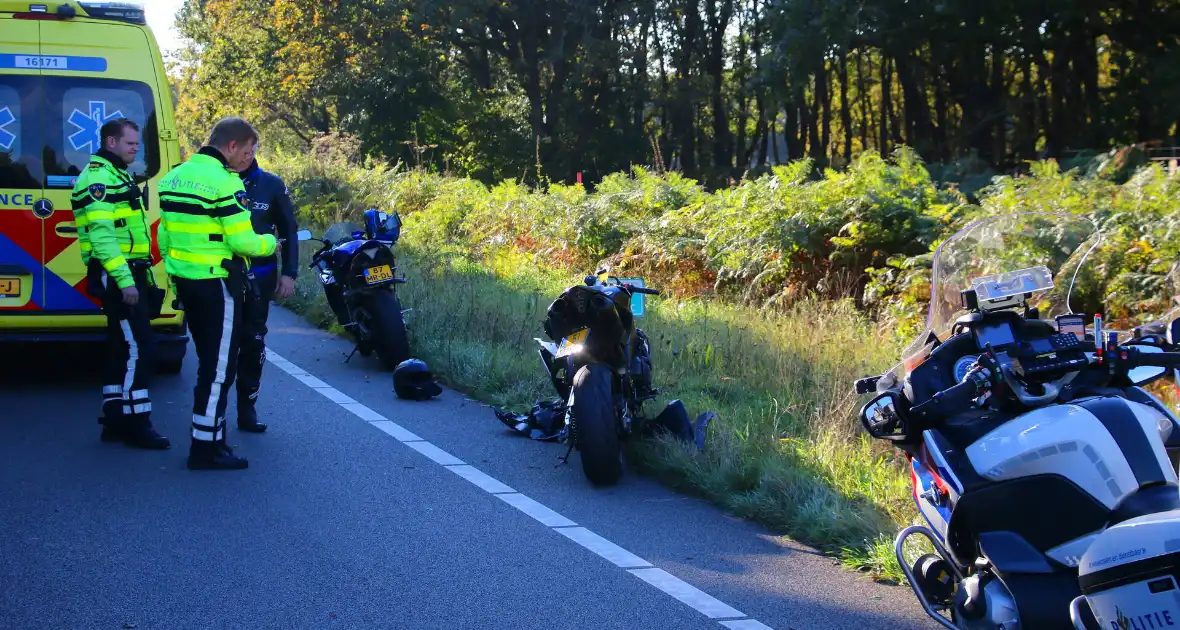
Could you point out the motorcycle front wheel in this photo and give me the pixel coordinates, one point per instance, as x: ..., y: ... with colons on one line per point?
x: 595, y: 425
x: 384, y: 326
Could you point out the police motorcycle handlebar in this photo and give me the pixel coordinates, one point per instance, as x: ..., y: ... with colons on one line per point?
x: 1133, y: 357
x: 593, y: 280
x: 882, y: 416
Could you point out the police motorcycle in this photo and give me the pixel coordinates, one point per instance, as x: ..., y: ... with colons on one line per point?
x: 356, y: 270
x: 599, y: 361
x: 1031, y: 441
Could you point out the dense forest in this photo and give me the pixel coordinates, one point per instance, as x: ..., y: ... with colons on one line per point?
x: 715, y: 89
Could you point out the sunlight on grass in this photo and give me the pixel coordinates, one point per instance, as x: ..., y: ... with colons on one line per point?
x: 786, y: 449
x: 755, y: 324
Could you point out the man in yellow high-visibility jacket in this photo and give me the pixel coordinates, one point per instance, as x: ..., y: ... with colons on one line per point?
x: 115, y: 241
x: 206, y: 238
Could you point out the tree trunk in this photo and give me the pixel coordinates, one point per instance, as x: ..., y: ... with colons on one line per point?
x: 845, y: 113
x: 715, y: 64
x: 862, y: 95
x: 886, y: 91
x: 823, y: 97
x: 998, y: 114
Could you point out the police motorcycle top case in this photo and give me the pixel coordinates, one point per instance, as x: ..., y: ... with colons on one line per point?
x: 1129, y: 575
x: 1024, y: 445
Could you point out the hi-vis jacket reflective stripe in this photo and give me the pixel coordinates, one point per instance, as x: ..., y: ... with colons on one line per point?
x: 203, y: 221
x: 108, y: 213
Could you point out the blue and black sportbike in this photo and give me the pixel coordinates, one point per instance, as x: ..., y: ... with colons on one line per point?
x: 356, y: 268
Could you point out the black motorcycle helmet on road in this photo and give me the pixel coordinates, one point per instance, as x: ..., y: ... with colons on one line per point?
x: 412, y: 380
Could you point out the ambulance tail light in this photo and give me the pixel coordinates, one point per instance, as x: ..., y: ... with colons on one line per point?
x: 118, y: 11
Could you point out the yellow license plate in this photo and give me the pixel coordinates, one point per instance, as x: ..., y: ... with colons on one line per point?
x: 9, y: 287
x: 378, y: 274
x: 573, y: 342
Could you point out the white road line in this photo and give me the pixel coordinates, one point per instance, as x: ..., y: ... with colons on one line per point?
x: 615, y: 554
x: 542, y: 514
x: 312, y: 382
x: 364, y: 413
x: 396, y: 431
x: 480, y: 478
x: 337, y: 396
x: 745, y: 624
x: 671, y: 585
x: 283, y: 364
x: 435, y: 453
x: 701, y: 601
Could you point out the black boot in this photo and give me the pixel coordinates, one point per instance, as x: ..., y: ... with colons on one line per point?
x: 112, y: 421
x: 214, y: 456
x: 138, y: 432
x: 247, y: 416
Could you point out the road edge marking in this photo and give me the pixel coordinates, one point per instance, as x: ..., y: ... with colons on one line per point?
x: 656, y: 577
x: 688, y: 594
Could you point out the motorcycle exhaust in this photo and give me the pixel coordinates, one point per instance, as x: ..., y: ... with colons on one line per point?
x: 899, y: 549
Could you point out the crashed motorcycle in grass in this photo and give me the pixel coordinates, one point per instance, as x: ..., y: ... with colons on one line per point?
x: 356, y: 269
x: 1038, y: 460
x: 599, y: 361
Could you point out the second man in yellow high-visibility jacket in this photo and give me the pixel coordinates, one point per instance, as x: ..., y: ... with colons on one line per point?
x: 205, y: 238
x: 115, y: 243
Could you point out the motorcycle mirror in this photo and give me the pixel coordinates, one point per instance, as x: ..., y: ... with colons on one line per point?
x: 880, y: 415
x: 1145, y: 373
x: 591, y: 280
x: 303, y: 235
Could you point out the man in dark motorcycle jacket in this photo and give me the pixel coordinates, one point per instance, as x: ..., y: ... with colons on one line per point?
x: 271, y: 213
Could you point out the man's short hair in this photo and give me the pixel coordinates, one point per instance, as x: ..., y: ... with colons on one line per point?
x: 232, y: 129
x: 114, y: 128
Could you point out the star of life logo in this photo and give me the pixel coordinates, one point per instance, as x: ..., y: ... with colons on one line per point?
x: 89, y: 124
x: 7, y: 138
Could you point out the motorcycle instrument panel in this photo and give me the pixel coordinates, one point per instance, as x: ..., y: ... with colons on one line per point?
x: 1057, y: 353
x: 963, y: 365
x: 998, y: 334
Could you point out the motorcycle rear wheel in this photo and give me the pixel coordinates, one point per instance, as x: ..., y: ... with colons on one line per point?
x: 387, y: 329
x: 596, y: 426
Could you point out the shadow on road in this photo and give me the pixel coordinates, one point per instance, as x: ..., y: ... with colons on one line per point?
x: 50, y: 364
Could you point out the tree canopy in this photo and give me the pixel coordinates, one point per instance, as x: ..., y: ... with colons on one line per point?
x: 512, y: 89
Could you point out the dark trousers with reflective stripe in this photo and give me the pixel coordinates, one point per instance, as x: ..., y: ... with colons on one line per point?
x: 130, y: 350
x: 253, y: 355
x: 214, y: 314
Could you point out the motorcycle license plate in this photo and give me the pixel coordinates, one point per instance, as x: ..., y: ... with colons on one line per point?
x: 572, y: 343
x: 1148, y: 604
x: 379, y: 273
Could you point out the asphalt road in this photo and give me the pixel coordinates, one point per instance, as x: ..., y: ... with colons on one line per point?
x: 360, y: 516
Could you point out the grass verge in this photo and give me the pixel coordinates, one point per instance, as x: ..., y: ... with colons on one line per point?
x: 786, y: 450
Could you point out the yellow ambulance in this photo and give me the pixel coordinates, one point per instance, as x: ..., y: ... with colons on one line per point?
x: 66, y: 67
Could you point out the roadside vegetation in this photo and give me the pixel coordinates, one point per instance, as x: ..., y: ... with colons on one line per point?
x: 779, y: 293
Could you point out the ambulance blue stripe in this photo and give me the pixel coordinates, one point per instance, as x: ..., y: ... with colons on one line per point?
x: 63, y: 297
x: 59, y: 295
x: 12, y: 254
